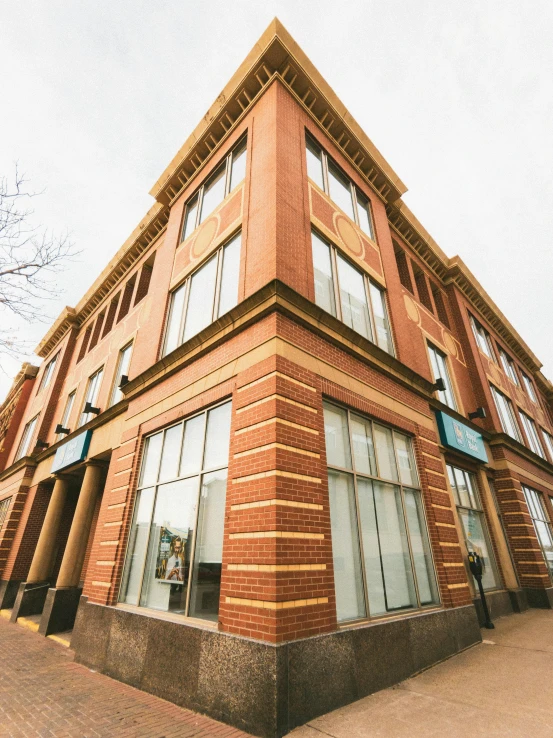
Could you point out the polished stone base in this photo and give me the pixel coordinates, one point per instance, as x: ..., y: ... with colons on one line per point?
x: 29, y: 600
x: 504, y: 602
x: 540, y: 597
x: 261, y: 688
x: 60, y: 609
x: 8, y: 592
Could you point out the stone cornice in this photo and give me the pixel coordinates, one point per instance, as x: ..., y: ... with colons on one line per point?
x: 27, y: 371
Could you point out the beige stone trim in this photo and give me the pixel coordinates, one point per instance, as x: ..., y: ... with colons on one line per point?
x: 289, y: 423
x: 276, y: 567
x: 445, y: 525
x: 531, y: 562
x: 511, y: 466
x: 276, y: 473
x: 276, y: 396
x: 447, y: 544
x: 278, y: 534
x: 126, y: 456
x: 432, y: 456
x: 269, y: 605
x: 113, y: 525
x: 276, y: 374
x: 527, y: 538
x: 282, y: 503
x: 109, y: 543
x: 441, y: 507
x: 525, y: 550
x: 105, y: 563
x: 519, y: 512
x: 123, y: 471
x: 545, y: 576
x: 118, y: 489
x: 449, y: 563
x: 457, y: 586
x: 437, y: 489
x: 119, y: 504
x: 97, y: 583
x: 282, y: 446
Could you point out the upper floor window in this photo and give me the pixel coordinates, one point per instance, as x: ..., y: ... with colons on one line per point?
x: 349, y: 295
x: 92, y: 392
x: 531, y: 434
x: 174, y: 557
x: 25, y: 442
x: 438, y: 362
x: 210, y: 292
x: 380, y: 547
x: 542, y: 524
x: 506, y: 414
x: 224, y: 179
x: 67, y: 413
x: 332, y: 180
x: 4, y: 507
x: 508, y: 366
x: 473, y: 521
x: 529, y: 387
x: 48, y: 373
x: 482, y: 339
x: 549, y: 444
x: 123, y: 363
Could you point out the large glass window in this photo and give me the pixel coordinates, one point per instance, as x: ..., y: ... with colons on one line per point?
x: 508, y: 366
x: 542, y: 524
x: 347, y: 293
x: 548, y: 443
x: 92, y: 392
x: 210, y: 292
x: 48, y: 373
x: 380, y: 547
x: 473, y: 522
x: 531, y: 434
x: 25, y: 442
x: 123, y: 363
x: 482, y: 339
x: 438, y: 362
x: 504, y: 408
x: 329, y: 177
x: 174, y: 554
x: 226, y: 177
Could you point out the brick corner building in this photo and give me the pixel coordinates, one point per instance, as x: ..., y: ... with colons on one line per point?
x: 257, y: 453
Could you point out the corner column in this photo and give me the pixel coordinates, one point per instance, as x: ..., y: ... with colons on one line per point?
x: 32, y: 593
x: 62, y: 600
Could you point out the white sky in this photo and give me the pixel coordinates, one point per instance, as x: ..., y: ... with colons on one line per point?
x: 98, y: 96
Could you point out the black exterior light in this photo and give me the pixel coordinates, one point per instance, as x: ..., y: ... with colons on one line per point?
x: 439, y: 385
x: 41, y: 444
x: 60, y: 429
x: 89, y: 409
x: 123, y: 381
x: 478, y: 413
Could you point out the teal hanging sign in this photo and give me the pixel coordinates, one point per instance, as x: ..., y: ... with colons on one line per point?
x: 72, y: 452
x: 460, y: 437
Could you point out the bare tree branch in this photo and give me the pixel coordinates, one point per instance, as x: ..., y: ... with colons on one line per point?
x: 31, y: 258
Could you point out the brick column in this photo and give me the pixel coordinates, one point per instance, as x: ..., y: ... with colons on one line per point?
x: 277, y: 580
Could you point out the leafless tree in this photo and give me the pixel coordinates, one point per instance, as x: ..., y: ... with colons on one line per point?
x: 30, y: 259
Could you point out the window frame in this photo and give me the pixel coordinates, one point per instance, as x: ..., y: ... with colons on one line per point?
x: 447, y: 379
x: 217, y: 254
x: 531, y: 432
x: 511, y: 411
x: 548, y: 442
x: 528, y: 492
x: 48, y: 373
x: 509, y: 366
x: 482, y: 338
x: 354, y: 474
x: 198, y: 194
x: 118, y: 373
x: 82, y: 422
x: 4, y: 509
x: 367, y: 282
x: 26, y: 438
x: 529, y: 388
x: 67, y: 410
x: 202, y: 472
x: 354, y: 189
x: 479, y: 509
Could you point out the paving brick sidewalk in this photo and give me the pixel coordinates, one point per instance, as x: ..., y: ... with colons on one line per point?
x: 44, y: 693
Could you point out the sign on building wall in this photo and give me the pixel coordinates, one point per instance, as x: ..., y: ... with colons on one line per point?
x: 460, y: 437
x: 72, y: 452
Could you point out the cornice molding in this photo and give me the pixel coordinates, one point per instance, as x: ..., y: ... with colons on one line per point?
x: 502, y: 439
x: 27, y: 371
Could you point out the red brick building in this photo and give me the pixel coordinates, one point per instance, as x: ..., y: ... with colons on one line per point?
x: 251, y: 467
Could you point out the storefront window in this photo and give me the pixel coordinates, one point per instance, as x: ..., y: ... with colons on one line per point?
x: 542, y: 524
x: 174, y: 555
x: 473, y: 522
x: 381, y: 552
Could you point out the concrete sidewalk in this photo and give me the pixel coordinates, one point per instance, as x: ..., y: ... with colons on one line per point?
x: 502, y: 687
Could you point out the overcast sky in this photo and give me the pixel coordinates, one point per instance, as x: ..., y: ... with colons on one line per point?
x: 98, y: 96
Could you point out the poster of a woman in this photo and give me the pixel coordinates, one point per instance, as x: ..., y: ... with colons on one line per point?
x: 171, y: 555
